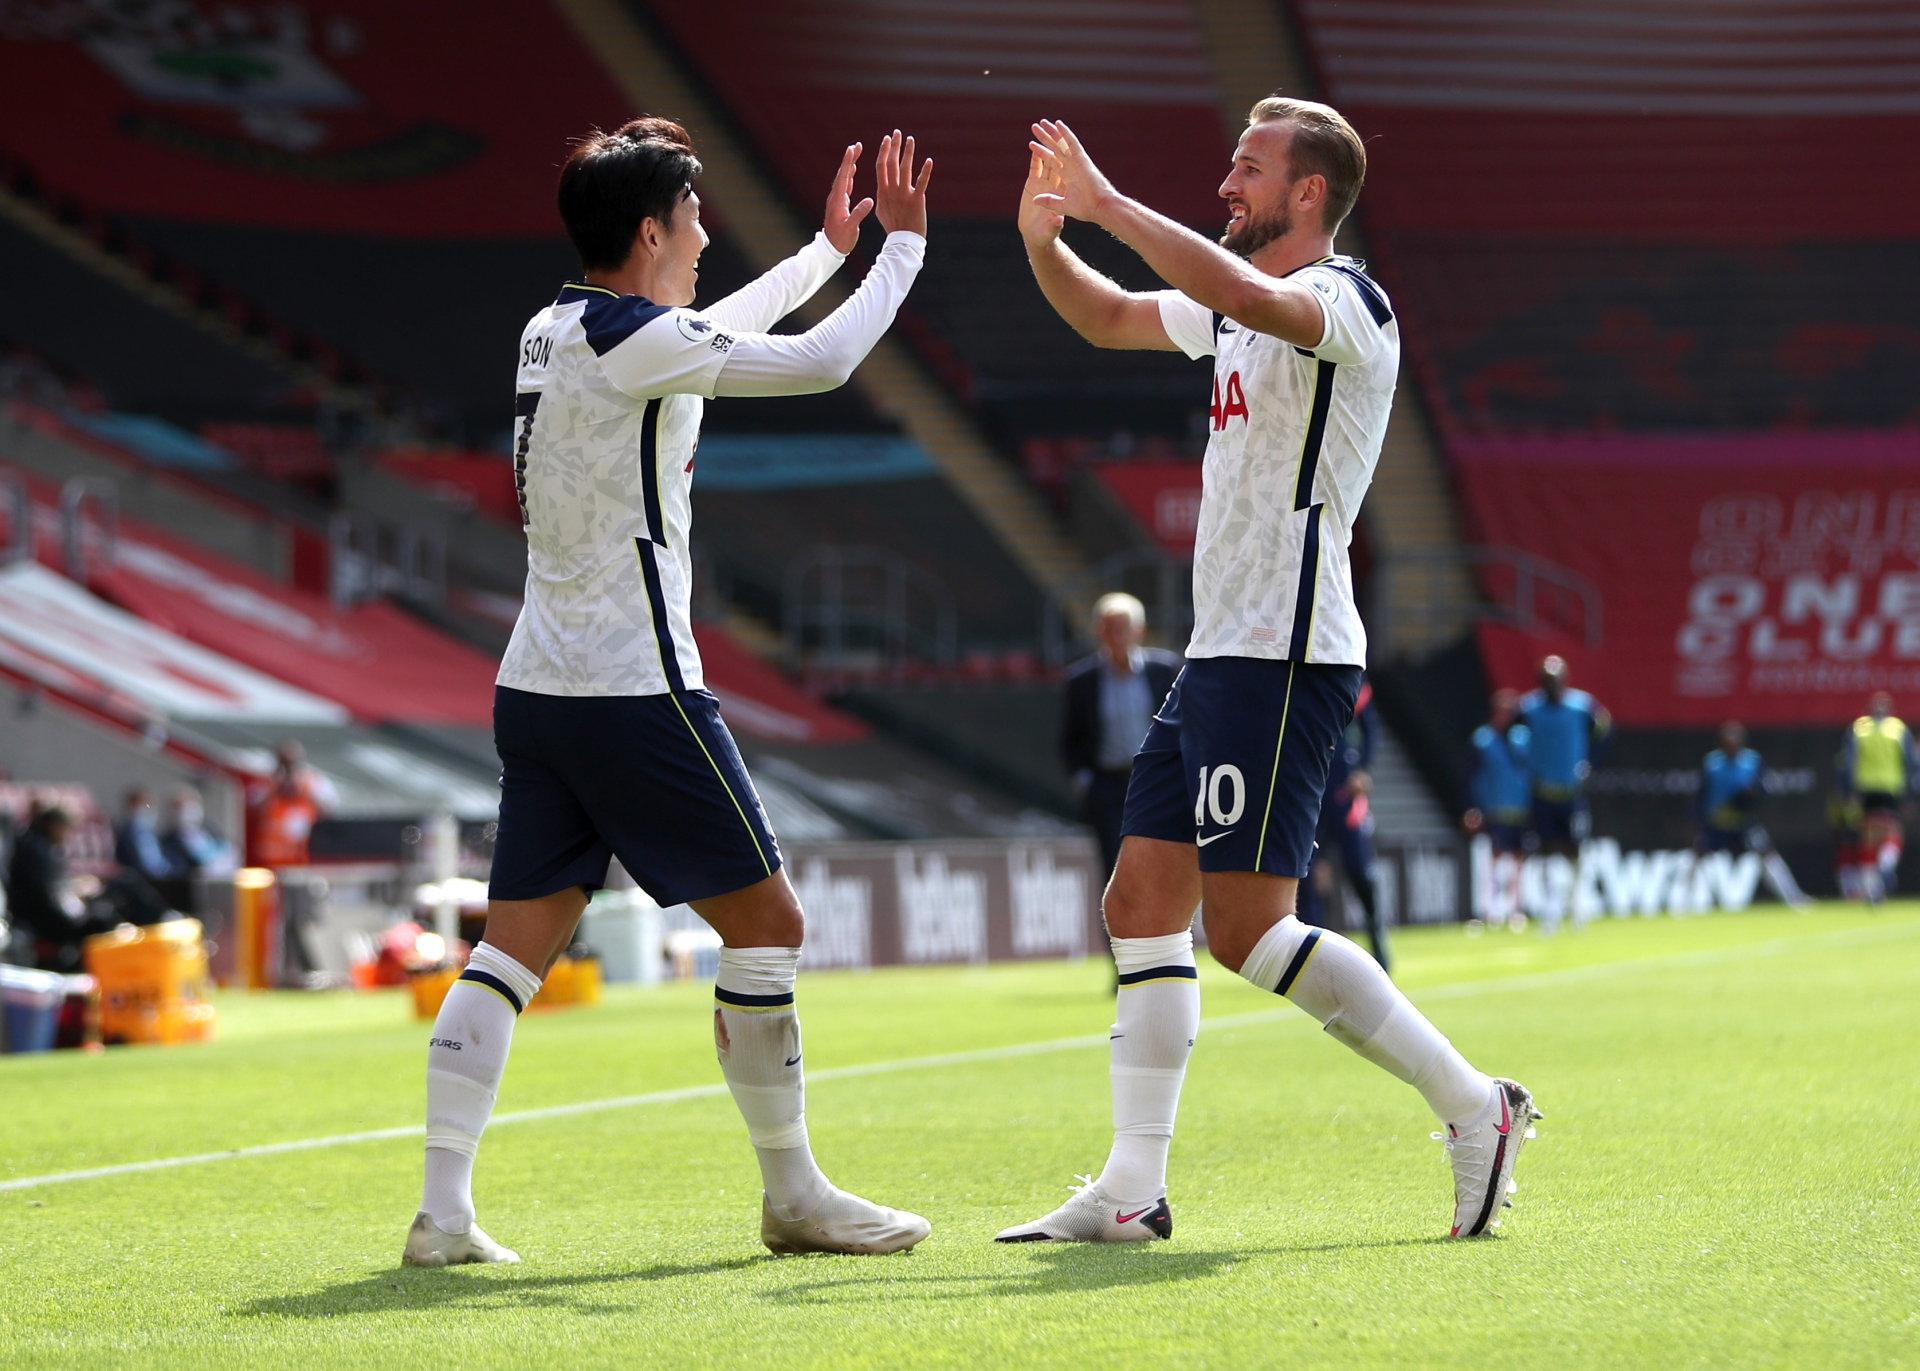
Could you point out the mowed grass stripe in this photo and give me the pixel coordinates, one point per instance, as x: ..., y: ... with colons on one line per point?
x: 1458, y: 990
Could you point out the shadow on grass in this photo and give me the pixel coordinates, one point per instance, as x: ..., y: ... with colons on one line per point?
x: 1061, y: 1268
x: 1050, y: 1268
x: 407, y: 1288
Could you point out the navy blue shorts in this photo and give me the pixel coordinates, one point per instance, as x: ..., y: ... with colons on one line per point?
x: 654, y: 780
x: 1507, y: 837
x: 1732, y: 840
x: 1237, y: 759
x: 1560, y: 821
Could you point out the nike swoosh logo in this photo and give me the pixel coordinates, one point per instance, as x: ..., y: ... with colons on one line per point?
x: 1506, y: 1117
x: 1129, y: 1218
x: 1202, y: 842
x: 793, y: 1061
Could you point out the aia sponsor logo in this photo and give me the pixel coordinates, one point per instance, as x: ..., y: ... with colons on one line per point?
x: 1234, y: 402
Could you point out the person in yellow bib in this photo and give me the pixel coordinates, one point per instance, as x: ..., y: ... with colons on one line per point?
x: 1879, y: 762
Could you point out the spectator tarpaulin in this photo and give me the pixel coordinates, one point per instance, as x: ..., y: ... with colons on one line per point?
x: 58, y: 635
x: 1770, y: 577
x: 759, y: 702
x: 376, y: 660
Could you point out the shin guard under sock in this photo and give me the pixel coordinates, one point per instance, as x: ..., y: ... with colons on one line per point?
x: 467, y: 1053
x: 1156, y: 1018
x: 757, y: 1033
x: 1356, y: 1002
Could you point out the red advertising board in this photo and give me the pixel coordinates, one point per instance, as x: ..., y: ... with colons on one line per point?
x: 1772, y: 577
x: 1164, y: 497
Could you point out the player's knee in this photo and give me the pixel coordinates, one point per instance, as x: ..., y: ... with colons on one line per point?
x: 1231, y: 945
x: 1127, y: 915
x: 787, y: 927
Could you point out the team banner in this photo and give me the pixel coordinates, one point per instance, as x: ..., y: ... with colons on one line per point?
x: 1772, y: 577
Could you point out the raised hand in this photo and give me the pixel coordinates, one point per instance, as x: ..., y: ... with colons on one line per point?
x: 1080, y: 190
x: 842, y: 225
x: 1039, y: 224
x: 901, y: 197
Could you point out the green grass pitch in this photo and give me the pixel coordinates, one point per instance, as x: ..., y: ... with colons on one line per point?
x: 1726, y: 1177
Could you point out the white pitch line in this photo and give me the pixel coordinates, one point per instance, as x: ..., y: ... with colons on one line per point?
x: 1458, y: 990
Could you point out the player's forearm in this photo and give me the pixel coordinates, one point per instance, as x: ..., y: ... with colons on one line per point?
x: 1209, y: 274
x: 1090, y: 303
x: 825, y: 355
x: 772, y: 296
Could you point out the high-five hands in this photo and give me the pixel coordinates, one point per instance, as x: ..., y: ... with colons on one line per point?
x: 901, y: 196
x: 841, y: 224
x: 1039, y: 224
x: 1079, y: 189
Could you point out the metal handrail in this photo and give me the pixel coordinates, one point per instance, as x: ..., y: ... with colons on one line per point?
x: 836, y: 616
x: 360, y: 567
x: 19, y: 505
x: 1532, y: 576
x: 1170, y: 613
x: 75, y: 495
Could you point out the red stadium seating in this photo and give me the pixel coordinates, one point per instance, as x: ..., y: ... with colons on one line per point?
x: 1590, y: 213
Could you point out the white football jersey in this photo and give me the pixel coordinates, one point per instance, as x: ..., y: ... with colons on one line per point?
x: 1296, y: 434
x: 610, y: 393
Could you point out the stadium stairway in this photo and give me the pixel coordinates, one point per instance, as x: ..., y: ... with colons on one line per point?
x: 759, y: 219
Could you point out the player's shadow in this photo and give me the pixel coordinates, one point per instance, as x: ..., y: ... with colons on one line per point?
x: 410, y: 1289
x: 1062, y: 1269
x: 1048, y: 1269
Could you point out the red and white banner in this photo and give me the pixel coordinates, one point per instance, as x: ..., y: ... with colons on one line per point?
x: 1163, y: 496
x: 1772, y: 577
x: 57, y: 634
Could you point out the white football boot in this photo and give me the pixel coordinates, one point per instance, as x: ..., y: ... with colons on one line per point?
x: 430, y: 1245
x: 1091, y: 1217
x: 1483, y: 1153
x: 842, y: 1223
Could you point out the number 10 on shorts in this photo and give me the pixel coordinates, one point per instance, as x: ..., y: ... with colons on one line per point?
x: 1223, y: 793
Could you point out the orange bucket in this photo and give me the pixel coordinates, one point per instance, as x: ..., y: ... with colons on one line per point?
x: 153, y: 983
x: 430, y: 988
x: 573, y: 980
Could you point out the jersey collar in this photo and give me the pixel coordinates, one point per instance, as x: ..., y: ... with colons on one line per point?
x: 580, y: 290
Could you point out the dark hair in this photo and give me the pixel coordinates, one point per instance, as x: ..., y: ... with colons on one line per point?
x: 612, y: 181
x: 48, y: 819
x: 1324, y: 144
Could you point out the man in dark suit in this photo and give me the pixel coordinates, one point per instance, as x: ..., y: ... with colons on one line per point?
x: 1111, y: 699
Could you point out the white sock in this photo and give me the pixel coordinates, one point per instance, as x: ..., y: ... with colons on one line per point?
x: 1345, y: 989
x: 757, y: 1033
x: 465, y: 1057
x: 1156, y: 1017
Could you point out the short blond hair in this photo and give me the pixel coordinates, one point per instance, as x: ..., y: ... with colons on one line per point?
x: 1324, y: 144
x: 1119, y: 602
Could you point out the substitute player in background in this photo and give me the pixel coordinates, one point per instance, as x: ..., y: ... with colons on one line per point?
x: 609, y: 744
x: 1566, y: 730
x: 1879, y: 764
x: 1225, y: 793
x: 1346, y: 828
x: 1732, y: 784
x: 1502, y: 792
